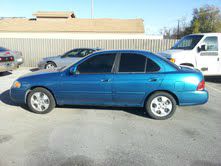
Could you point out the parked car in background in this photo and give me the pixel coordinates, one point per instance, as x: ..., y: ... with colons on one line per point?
x: 114, y: 78
x: 66, y: 59
x: 9, y: 60
x: 201, y: 51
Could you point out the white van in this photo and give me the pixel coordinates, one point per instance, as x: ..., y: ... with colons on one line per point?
x: 201, y: 51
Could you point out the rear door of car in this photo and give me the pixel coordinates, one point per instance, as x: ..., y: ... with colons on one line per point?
x: 135, y: 77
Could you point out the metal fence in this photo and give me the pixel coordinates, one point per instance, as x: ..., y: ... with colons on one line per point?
x: 35, y: 49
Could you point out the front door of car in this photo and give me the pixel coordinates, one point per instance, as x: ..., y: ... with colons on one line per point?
x: 91, y: 85
x: 208, y: 59
x: 137, y: 76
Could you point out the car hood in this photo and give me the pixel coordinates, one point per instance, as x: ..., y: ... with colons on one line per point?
x: 52, y: 57
x: 172, y: 52
x: 43, y: 73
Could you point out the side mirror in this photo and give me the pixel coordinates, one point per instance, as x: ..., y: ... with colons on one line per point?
x: 203, y: 47
x: 73, y: 70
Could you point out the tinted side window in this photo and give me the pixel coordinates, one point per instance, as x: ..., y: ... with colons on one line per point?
x: 132, y: 63
x: 152, y: 66
x: 97, y: 64
x: 71, y: 53
x: 85, y: 53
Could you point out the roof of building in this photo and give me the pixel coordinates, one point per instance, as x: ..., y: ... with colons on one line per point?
x: 54, y: 14
x: 72, y: 25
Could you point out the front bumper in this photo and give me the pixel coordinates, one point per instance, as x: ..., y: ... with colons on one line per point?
x: 41, y: 65
x: 193, y: 97
x: 18, y: 95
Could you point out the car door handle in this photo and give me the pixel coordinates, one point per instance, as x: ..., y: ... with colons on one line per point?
x: 105, y: 80
x: 152, y: 80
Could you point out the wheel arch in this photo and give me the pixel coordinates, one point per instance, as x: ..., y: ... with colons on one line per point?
x: 32, y: 88
x: 167, y: 91
x: 50, y: 61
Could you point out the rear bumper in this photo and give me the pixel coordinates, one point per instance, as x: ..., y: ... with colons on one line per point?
x: 4, y: 68
x: 193, y: 98
x: 20, y: 61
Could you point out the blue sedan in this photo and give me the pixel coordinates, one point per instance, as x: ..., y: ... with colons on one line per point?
x: 127, y: 78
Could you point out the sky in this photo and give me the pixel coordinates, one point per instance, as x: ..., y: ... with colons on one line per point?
x: 155, y: 13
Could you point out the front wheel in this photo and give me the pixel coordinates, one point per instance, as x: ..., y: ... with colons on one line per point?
x: 40, y: 101
x: 160, y: 105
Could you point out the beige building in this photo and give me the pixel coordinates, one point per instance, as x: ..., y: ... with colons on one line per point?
x: 66, y: 25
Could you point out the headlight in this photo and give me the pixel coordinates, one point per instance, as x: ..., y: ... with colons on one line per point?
x: 16, y: 84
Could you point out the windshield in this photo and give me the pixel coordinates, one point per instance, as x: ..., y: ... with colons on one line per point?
x: 188, y: 42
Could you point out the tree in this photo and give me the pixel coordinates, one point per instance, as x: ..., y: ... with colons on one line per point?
x: 205, y: 19
x: 195, y: 26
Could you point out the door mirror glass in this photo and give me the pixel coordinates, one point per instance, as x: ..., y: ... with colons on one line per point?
x: 203, y: 47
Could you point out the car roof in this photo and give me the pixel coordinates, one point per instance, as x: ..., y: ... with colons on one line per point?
x: 126, y: 51
x: 206, y: 34
x: 86, y: 48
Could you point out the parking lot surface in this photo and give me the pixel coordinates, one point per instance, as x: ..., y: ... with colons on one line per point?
x: 89, y: 136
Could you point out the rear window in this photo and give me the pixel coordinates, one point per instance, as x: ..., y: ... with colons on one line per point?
x: 152, y: 66
x: 132, y: 63
x: 3, y: 49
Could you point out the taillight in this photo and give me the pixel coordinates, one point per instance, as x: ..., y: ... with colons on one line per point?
x: 11, y: 58
x: 0, y: 59
x: 201, y: 86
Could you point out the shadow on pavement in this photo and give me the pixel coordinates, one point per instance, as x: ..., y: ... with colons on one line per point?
x: 5, y: 73
x: 215, y: 79
x: 132, y: 110
x: 5, y: 98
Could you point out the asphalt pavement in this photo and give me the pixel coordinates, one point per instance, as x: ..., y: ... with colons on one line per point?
x: 89, y: 136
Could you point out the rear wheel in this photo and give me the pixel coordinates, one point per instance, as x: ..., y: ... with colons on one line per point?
x: 160, y: 105
x: 40, y: 101
x: 50, y: 65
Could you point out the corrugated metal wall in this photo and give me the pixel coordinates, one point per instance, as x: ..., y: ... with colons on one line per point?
x: 35, y: 49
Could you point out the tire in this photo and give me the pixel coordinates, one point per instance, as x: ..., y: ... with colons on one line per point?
x: 50, y: 65
x: 40, y: 101
x: 160, y: 106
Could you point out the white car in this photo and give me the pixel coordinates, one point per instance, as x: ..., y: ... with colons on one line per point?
x: 66, y: 59
x: 201, y: 51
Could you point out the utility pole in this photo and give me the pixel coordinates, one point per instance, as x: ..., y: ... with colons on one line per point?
x: 92, y: 9
x: 178, y: 29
